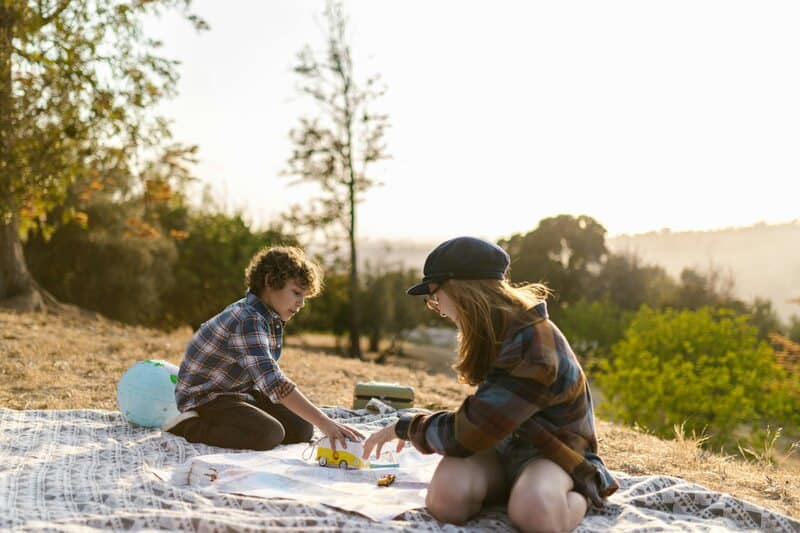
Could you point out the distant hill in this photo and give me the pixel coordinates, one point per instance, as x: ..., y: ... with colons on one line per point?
x: 394, y: 254
x: 764, y: 260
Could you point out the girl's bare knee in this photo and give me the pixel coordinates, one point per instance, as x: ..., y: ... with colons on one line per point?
x: 454, y: 498
x: 539, y: 499
x: 452, y: 502
x: 538, y: 510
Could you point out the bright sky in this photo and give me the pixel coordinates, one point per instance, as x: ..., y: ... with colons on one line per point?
x: 643, y: 115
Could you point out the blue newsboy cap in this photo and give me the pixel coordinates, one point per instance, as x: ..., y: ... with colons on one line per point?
x: 462, y: 258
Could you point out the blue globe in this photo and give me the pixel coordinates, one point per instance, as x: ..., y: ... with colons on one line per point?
x: 146, y: 393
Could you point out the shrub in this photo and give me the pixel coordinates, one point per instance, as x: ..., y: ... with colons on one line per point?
x: 209, y: 270
x: 114, y: 266
x: 593, y: 327
x: 706, y: 368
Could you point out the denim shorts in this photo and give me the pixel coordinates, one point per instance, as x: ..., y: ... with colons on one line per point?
x: 515, y: 452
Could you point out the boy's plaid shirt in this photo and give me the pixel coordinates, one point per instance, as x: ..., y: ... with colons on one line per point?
x: 537, y: 390
x: 233, y: 353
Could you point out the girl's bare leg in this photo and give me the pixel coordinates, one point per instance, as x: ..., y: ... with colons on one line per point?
x: 542, y: 499
x: 460, y: 486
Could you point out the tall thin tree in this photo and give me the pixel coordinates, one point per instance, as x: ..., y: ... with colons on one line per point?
x: 78, y: 81
x: 335, y: 149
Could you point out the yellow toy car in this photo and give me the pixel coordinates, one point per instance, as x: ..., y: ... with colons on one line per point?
x: 342, y: 458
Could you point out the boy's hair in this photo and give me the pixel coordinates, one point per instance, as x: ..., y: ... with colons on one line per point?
x: 280, y: 264
x: 486, y: 308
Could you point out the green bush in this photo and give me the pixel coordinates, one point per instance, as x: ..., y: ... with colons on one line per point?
x: 388, y: 312
x: 181, y: 269
x: 330, y: 310
x: 705, y: 367
x: 209, y: 270
x: 593, y: 327
x: 107, y: 267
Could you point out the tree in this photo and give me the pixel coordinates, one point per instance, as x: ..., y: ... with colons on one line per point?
x: 593, y: 327
x: 794, y: 328
x: 794, y: 323
x: 714, y: 288
x: 116, y: 265
x: 563, y: 251
x: 389, y: 312
x: 209, y: 272
x: 116, y: 233
x: 628, y: 284
x: 330, y: 311
x: 78, y: 79
x: 764, y: 317
x: 335, y: 149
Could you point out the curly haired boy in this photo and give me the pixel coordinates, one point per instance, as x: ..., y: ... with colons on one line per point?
x: 231, y: 392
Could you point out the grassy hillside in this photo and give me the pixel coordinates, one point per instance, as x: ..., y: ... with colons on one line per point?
x: 71, y: 361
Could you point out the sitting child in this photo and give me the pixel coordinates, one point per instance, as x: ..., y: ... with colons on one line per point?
x: 231, y: 392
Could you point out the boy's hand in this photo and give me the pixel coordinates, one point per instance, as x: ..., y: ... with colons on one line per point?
x: 341, y: 432
x: 297, y: 403
x: 379, y: 438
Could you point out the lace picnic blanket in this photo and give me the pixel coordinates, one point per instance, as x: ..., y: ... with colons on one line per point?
x: 79, y: 469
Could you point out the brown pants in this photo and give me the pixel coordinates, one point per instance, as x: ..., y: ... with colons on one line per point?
x: 231, y: 423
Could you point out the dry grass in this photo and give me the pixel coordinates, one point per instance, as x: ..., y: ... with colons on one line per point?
x: 69, y: 362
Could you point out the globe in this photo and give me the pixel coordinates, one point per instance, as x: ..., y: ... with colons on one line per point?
x: 146, y: 393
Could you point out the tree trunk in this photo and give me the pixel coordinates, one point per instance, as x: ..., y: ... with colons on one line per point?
x: 6, y: 107
x: 355, y: 334
x: 355, y: 325
x: 18, y: 290
x: 375, y: 341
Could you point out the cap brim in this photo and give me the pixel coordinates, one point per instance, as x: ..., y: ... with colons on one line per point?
x: 419, y: 289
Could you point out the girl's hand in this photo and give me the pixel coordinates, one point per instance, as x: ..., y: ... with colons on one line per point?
x: 379, y: 438
x: 341, y: 432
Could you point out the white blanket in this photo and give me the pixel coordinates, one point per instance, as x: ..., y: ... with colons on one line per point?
x: 284, y: 473
x: 89, y: 469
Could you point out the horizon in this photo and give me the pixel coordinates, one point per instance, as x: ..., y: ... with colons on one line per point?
x: 660, y: 231
x: 515, y: 113
x: 745, y: 253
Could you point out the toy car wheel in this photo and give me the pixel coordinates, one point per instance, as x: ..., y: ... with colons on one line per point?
x: 343, y: 465
x: 323, y: 461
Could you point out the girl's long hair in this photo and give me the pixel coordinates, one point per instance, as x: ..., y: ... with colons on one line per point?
x: 486, y: 309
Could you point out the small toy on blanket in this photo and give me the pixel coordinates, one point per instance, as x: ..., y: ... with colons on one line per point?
x: 146, y: 393
x: 349, y: 457
x: 385, y: 481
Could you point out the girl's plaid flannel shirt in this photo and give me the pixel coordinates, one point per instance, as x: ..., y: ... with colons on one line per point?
x: 537, y: 389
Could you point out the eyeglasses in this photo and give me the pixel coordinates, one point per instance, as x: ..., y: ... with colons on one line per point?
x: 432, y: 301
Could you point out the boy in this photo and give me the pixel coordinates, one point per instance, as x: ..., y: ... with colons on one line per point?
x: 231, y: 392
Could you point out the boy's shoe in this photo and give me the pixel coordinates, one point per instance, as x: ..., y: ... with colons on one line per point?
x: 172, y: 423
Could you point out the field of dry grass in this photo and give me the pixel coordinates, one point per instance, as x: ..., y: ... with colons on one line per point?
x: 71, y: 362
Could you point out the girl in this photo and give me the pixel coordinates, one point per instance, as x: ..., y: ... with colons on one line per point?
x: 528, y: 430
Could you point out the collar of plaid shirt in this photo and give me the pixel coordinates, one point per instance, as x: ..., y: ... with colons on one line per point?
x: 532, y: 315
